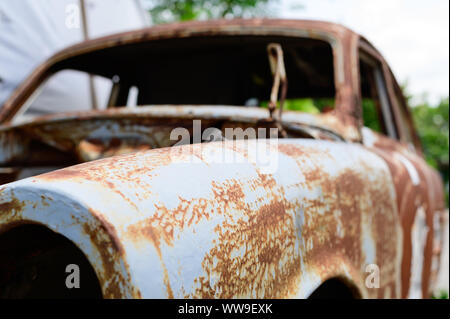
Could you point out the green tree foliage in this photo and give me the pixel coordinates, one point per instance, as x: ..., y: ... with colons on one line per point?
x: 432, y: 125
x: 370, y: 115
x: 441, y: 295
x: 163, y: 11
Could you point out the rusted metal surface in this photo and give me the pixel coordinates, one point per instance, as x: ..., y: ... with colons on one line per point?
x: 421, y: 208
x: 277, y: 67
x: 143, y: 128
x: 176, y: 222
x: 276, y: 61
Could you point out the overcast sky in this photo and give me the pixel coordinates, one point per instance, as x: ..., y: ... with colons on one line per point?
x: 413, y: 35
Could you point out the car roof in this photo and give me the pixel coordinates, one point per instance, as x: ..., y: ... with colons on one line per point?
x: 202, y: 28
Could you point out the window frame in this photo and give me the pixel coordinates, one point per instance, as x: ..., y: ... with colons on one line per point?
x: 381, y: 86
x: 397, y: 101
x: 403, y: 111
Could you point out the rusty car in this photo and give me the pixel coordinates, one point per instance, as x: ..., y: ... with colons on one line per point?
x: 349, y: 207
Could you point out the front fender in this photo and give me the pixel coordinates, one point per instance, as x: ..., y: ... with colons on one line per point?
x: 211, y: 220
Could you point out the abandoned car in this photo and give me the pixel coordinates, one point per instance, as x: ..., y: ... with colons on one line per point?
x: 150, y: 195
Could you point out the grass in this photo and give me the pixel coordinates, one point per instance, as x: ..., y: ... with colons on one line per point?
x: 441, y: 295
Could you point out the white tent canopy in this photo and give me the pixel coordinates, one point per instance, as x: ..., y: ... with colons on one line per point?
x: 31, y: 31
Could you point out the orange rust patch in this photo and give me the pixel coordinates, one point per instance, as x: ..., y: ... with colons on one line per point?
x: 154, y: 234
x: 409, y: 198
x: 252, y: 258
x: 300, y: 152
x: 291, y: 150
x: 100, y: 170
x: 105, y: 245
x: 13, y: 205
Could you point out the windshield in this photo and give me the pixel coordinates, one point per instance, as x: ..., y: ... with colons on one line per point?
x: 199, y: 71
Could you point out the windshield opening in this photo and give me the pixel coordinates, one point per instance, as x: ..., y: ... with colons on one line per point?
x: 196, y: 71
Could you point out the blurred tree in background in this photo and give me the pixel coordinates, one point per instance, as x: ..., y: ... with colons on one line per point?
x: 431, y: 122
x: 162, y: 11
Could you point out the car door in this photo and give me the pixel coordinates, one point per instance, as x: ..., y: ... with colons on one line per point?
x: 388, y: 131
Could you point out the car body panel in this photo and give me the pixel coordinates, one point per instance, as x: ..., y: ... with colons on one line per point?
x: 184, y: 222
x: 421, y: 210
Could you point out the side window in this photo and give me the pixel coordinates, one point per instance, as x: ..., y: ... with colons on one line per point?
x: 377, y: 112
x: 404, y: 122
